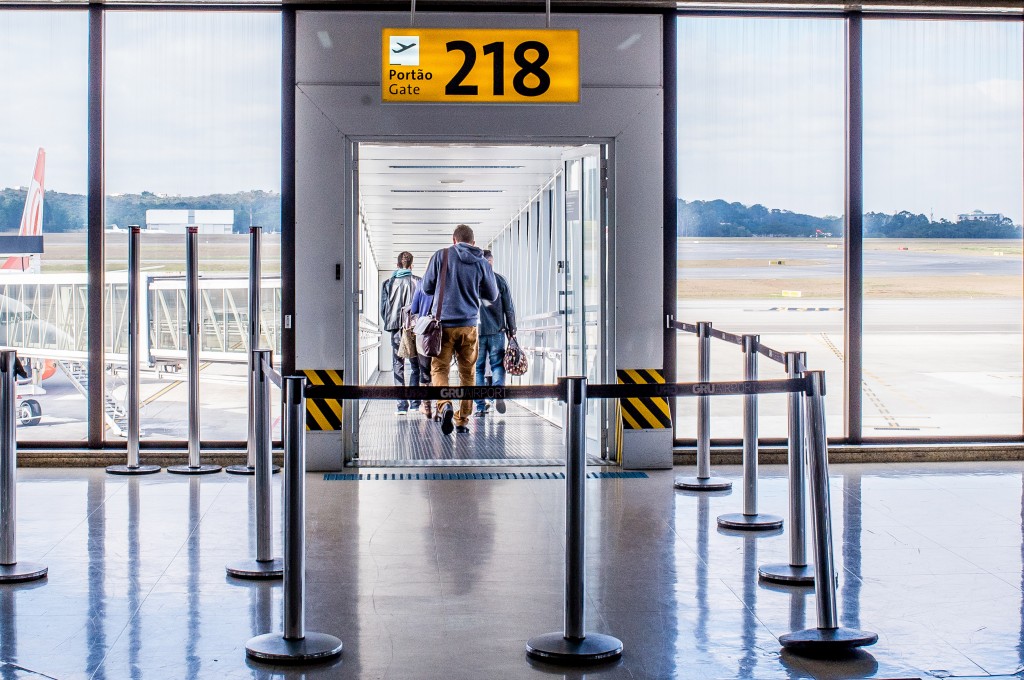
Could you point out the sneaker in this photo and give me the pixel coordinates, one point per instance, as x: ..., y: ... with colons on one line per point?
x: 401, y: 412
x: 447, y: 415
x: 479, y: 414
x: 499, y: 405
x: 425, y: 410
x: 487, y: 407
x: 462, y: 429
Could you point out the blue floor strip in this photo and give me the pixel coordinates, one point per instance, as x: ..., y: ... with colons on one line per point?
x: 444, y: 476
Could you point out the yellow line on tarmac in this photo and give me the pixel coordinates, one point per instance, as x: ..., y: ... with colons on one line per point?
x: 165, y: 390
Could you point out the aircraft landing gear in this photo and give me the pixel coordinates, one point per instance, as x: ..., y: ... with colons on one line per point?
x: 29, y: 412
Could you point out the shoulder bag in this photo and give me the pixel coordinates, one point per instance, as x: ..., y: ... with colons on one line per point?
x: 428, y: 326
x: 407, y: 343
x: 515, y: 362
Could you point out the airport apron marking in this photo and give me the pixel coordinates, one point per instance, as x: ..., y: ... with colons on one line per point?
x: 646, y: 413
x: 323, y: 414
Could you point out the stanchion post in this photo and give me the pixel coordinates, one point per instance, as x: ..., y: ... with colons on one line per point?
x: 195, y: 465
x: 573, y: 645
x: 132, y: 467
x: 265, y: 566
x: 750, y: 519
x: 828, y: 639
x: 255, y: 283
x: 797, y: 572
x: 11, y: 571
x: 295, y: 645
x: 703, y: 481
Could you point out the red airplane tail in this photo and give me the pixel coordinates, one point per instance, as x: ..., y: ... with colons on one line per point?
x: 32, y: 217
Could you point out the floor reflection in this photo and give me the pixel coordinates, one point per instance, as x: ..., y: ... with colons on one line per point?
x: 409, y: 573
x: 134, y: 583
x: 849, y: 594
x: 96, y: 635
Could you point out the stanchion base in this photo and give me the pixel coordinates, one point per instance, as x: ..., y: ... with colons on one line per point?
x: 246, y: 470
x: 698, y: 484
x: 128, y: 470
x: 273, y: 648
x: 201, y: 470
x: 787, y: 574
x: 758, y: 522
x: 827, y: 642
x: 256, y: 570
x: 21, y: 571
x: 556, y: 648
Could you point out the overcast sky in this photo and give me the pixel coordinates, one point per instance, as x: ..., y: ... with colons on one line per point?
x: 193, y: 100
x: 193, y: 107
x: 761, y: 114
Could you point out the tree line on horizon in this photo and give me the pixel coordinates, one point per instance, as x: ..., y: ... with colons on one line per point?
x: 720, y: 218
x: 67, y: 212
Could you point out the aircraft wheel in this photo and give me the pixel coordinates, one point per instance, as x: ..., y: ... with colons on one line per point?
x: 29, y: 412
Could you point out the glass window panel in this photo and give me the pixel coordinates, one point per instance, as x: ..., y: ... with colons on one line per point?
x: 43, y: 297
x: 761, y: 177
x: 193, y: 126
x: 942, y: 253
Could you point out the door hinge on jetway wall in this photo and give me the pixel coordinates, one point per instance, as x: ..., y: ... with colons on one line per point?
x: 669, y: 321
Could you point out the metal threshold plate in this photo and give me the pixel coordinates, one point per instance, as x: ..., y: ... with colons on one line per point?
x: 447, y: 476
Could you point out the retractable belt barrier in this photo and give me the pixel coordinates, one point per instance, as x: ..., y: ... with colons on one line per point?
x: 11, y: 571
x: 195, y: 465
x: 265, y: 566
x: 572, y: 645
x: 295, y: 644
x: 253, y: 443
x: 805, y: 442
x: 132, y: 465
x: 610, y: 391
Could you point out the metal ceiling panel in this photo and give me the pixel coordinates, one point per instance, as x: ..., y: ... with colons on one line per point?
x: 412, y: 196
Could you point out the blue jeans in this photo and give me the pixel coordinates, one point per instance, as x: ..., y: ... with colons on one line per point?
x: 398, y: 367
x: 492, y: 349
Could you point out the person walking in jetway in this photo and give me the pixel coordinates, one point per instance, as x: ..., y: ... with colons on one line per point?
x: 421, y: 304
x: 497, y: 319
x: 469, y: 279
x: 395, y: 295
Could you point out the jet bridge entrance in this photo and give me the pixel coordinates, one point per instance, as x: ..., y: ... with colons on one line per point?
x: 541, y: 210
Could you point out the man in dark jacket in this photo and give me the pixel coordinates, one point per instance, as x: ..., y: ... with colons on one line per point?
x: 395, y: 295
x: 469, y: 279
x: 497, y: 319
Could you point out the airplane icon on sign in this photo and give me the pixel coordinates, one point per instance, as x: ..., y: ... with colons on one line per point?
x: 405, y: 50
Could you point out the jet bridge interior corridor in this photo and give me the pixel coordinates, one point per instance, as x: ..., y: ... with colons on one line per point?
x: 541, y: 210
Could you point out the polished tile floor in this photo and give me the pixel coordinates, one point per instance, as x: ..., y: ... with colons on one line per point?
x: 448, y: 579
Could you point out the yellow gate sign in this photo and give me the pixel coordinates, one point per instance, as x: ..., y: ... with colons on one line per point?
x: 475, y: 65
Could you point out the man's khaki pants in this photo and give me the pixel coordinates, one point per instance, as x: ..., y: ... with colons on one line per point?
x: 462, y: 342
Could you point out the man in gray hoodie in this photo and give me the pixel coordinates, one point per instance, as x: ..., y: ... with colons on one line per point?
x: 469, y: 279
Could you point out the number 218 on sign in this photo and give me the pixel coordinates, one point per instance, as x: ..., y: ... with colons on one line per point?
x: 480, y: 66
